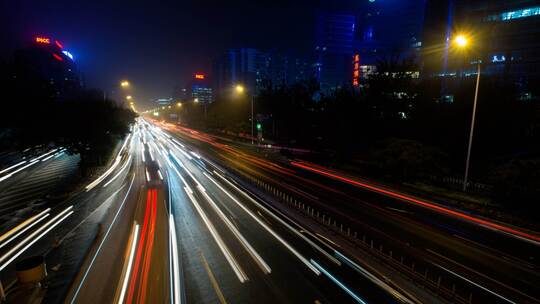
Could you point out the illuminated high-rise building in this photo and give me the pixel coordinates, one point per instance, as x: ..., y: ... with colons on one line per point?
x: 505, y: 36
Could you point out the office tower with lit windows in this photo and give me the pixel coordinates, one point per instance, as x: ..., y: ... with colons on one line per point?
x: 45, y: 60
x: 334, y: 36
x: 505, y: 36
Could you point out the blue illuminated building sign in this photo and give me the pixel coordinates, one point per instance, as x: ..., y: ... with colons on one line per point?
x: 497, y: 58
x: 522, y: 13
x: 67, y: 54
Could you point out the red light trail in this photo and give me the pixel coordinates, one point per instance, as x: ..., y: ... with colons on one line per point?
x: 148, y: 250
x: 413, y: 200
x: 133, y: 281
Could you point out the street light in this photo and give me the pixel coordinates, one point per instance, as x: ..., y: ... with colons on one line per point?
x: 124, y: 84
x: 129, y: 97
x: 179, y: 104
x: 462, y: 42
x: 196, y: 100
x: 240, y: 90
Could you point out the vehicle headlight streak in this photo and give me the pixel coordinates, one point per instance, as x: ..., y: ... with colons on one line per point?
x: 147, y: 174
x: 272, y: 232
x: 14, y: 166
x: 33, y: 162
x: 25, y: 226
x: 265, y: 268
x: 130, y: 264
x: 109, y: 171
x: 126, y: 164
x: 78, y: 289
x: 335, y: 280
x: 373, y: 278
x: 150, y: 152
x: 228, y: 256
x: 281, y: 221
x: 176, y: 296
x: 34, y: 237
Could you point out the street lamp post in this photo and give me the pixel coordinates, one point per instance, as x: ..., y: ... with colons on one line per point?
x: 472, y: 126
x: 461, y: 41
x: 240, y: 89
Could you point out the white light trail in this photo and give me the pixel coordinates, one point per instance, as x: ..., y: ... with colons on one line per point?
x: 130, y: 264
x: 43, y: 155
x: 335, y: 280
x: 373, y: 278
x: 185, y: 153
x: 175, y: 262
x: 14, y: 166
x: 277, y: 218
x: 126, y: 164
x: 267, y: 228
x: 226, y: 252
x: 34, y: 237
x: 265, y: 268
x: 160, y: 175
x: 29, y: 223
x: 33, y: 162
x: 147, y: 174
x: 104, y: 175
x: 475, y: 284
x: 101, y: 244
x: 124, y: 145
x: 150, y: 152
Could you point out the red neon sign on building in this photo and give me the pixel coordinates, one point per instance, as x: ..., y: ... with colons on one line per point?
x: 43, y: 40
x: 356, y: 70
x: 57, y: 57
x: 199, y: 76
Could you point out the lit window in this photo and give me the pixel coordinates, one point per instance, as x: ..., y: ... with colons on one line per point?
x: 517, y: 14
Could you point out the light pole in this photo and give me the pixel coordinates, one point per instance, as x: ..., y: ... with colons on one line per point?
x: 124, y: 84
x: 240, y: 89
x: 196, y: 100
x: 461, y: 41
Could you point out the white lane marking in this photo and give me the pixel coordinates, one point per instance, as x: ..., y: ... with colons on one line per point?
x: 268, y: 229
x: 101, y: 244
x: 374, y: 279
x: 335, y: 280
x: 242, y: 277
x: 326, y: 254
x: 252, y: 252
x: 475, y: 284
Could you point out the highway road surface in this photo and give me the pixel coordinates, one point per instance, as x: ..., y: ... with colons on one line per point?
x: 174, y: 220
x: 184, y: 232
x: 460, y: 248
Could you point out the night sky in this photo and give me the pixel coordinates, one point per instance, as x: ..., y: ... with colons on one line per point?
x: 157, y: 46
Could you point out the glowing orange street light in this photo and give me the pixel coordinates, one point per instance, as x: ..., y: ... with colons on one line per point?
x: 240, y: 88
x: 461, y: 41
